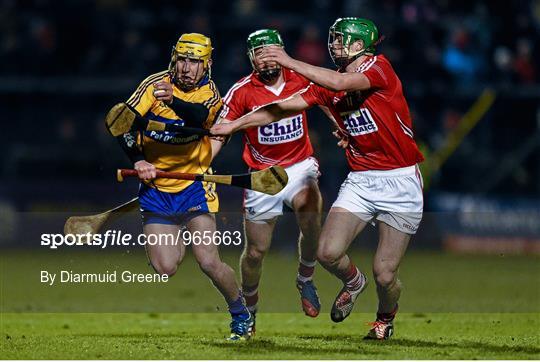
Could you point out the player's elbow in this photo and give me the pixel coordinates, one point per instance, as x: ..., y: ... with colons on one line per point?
x: 193, y: 114
x: 338, y: 84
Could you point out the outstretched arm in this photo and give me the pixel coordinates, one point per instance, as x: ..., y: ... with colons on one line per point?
x: 262, y: 116
x: 325, y: 77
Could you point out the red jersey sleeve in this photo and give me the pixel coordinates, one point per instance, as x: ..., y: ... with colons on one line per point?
x: 377, y: 73
x: 316, y: 94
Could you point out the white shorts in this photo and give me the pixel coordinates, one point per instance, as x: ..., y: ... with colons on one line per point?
x: 393, y: 197
x: 260, y: 207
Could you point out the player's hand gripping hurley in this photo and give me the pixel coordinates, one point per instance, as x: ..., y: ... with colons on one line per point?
x: 269, y: 181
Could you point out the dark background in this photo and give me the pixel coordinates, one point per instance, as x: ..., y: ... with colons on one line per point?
x: 65, y: 63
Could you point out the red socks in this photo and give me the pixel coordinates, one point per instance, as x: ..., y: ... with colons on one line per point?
x: 251, y: 295
x: 352, y: 278
x: 387, y: 317
x: 306, y: 270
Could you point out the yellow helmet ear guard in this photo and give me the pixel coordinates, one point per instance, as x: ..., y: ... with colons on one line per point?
x: 193, y: 46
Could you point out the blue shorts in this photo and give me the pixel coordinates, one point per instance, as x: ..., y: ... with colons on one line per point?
x: 158, y: 207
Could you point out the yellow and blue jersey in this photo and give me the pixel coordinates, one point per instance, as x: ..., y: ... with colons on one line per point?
x: 170, y: 151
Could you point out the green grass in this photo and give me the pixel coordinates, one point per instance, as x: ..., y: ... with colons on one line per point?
x: 452, y: 307
x: 279, y: 336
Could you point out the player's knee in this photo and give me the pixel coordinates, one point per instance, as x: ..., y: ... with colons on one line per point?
x: 385, y: 278
x: 165, y: 267
x: 254, y: 256
x: 328, y: 257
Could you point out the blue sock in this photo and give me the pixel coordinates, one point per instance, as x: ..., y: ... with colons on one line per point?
x: 238, y: 307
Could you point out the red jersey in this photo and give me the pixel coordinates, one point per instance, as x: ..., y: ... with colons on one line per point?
x: 377, y: 120
x: 284, y: 142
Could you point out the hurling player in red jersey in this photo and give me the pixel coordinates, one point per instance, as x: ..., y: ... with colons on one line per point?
x: 384, y: 186
x: 285, y: 143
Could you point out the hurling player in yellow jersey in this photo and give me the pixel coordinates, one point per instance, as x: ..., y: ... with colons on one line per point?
x: 184, y: 95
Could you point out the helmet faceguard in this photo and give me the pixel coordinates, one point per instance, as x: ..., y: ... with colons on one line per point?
x: 344, y: 33
x: 196, y: 47
x: 257, y: 40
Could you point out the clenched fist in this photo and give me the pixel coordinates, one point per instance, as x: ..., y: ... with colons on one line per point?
x: 146, y: 170
x: 163, y: 91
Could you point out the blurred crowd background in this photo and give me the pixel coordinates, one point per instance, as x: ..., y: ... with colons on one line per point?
x: 65, y: 63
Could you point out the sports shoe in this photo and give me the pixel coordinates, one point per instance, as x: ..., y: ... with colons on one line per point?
x: 309, y: 298
x: 380, y: 330
x: 241, y: 327
x: 344, y: 302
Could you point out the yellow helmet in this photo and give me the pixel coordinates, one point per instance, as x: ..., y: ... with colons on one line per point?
x: 193, y: 46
